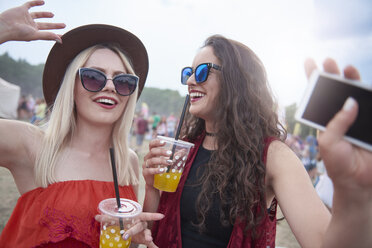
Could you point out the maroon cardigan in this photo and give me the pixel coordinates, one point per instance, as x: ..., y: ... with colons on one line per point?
x: 167, y: 232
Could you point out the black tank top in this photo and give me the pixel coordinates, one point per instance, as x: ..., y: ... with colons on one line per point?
x: 215, y: 235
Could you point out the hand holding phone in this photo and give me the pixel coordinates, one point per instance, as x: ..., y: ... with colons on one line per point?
x: 325, y: 96
x: 349, y: 166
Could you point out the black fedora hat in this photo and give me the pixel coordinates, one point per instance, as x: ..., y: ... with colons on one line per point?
x: 80, y: 38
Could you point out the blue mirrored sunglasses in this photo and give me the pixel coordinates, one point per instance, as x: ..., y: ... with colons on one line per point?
x: 201, y: 72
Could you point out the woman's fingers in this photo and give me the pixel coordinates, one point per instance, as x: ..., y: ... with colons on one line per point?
x: 46, y: 36
x: 135, y: 229
x: 141, y: 224
x: 31, y: 4
x: 144, y: 238
x: 148, y: 236
x: 150, y: 216
x: 156, y: 161
x: 331, y: 66
x: 98, y: 217
x: 156, y: 142
x: 41, y: 14
x: 157, y: 155
x: 310, y: 66
x: 102, y: 218
x: 154, y: 148
x: 48, y: 25
x: 22, y: 26
x: 352, y: 73
x: 151, y: 245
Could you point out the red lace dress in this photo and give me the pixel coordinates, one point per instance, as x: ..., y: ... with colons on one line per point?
x: 167, y: 231
x: 61, y: 215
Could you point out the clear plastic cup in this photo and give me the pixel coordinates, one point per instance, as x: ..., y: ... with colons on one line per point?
x: 111, y: 232
x: 168, y: 181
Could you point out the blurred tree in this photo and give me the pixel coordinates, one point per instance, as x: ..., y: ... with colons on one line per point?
x: 289, y: 117
x: 304, y: 130
x: 161, y: 101
x: 20, y: 72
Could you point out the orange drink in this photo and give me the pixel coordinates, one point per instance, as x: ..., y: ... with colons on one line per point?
x: 115, y: 221
x: 111, y: 237
x: 168, y: 181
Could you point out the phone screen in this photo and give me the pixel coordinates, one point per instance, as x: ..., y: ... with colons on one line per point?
x: 327, y: 98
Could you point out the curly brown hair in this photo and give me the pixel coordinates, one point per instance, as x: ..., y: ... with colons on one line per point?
x: 245, y: 115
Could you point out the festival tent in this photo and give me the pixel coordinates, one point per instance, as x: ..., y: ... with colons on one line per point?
x: 9, y: 97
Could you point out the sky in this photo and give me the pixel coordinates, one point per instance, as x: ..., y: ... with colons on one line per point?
x: 282, y: 33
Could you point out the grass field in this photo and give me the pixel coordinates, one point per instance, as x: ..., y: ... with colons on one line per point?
x: 9, y: 195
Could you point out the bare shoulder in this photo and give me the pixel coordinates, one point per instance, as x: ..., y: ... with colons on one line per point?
x: 277, y: 148
x: 19, y: 143
x: 280, y: 159
x: 32, y: 136
x: 21, y: 127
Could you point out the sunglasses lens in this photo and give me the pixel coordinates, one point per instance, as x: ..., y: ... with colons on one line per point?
x: 201, y: 73
x: 92, y: 80
x: 125, y: 84
x: 185, y: 74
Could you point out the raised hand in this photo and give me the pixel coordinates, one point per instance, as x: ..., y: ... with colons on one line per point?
x: 18, y: 24
x: 350, y: 168
x: 138, y: 231
x: 344, y: 161
x: 156, y: 156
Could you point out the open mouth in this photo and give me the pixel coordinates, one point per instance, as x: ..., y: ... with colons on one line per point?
x: 194, y: 96
x: 105, y: 101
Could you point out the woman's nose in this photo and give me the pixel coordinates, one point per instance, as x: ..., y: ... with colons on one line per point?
x: 191, y: 80
x: 109, y: 85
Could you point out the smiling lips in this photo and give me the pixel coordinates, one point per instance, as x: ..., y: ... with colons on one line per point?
x: 196, y: 96
x: 107, y: 103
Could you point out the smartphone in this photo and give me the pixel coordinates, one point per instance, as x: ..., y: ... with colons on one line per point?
x: 325, y: 96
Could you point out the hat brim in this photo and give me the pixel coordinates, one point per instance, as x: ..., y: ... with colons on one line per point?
x: 78, y: 39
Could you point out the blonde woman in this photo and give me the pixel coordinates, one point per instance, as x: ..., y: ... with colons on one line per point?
x: 91, y: 81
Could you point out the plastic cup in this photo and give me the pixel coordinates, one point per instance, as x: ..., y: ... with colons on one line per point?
x: 110, y: 234
x: 168, y: 181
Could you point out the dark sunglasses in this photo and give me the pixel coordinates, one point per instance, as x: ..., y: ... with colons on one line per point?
x: 201, y: 72
x: 94, y: 80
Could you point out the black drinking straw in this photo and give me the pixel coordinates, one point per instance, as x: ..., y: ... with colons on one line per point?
x: 179, y: 127
x: 116, y: 185
x: 182, y: 117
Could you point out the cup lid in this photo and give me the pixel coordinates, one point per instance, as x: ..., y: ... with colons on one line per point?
x: 128, y: 209
x: 178, y: 142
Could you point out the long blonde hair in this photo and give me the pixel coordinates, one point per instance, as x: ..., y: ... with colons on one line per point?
x: 62, y: 125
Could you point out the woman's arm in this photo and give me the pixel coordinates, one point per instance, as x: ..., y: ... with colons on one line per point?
x: 18, y: 24
x: 155, y: 157
x: 304, y: 211
x: 350, y: 168
x: 18, y: 143
x: 17, y: 139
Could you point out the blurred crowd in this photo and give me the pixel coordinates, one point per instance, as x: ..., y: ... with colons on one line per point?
x: 149, y: 126
x: 307, y: 151
x: 33, y: 110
